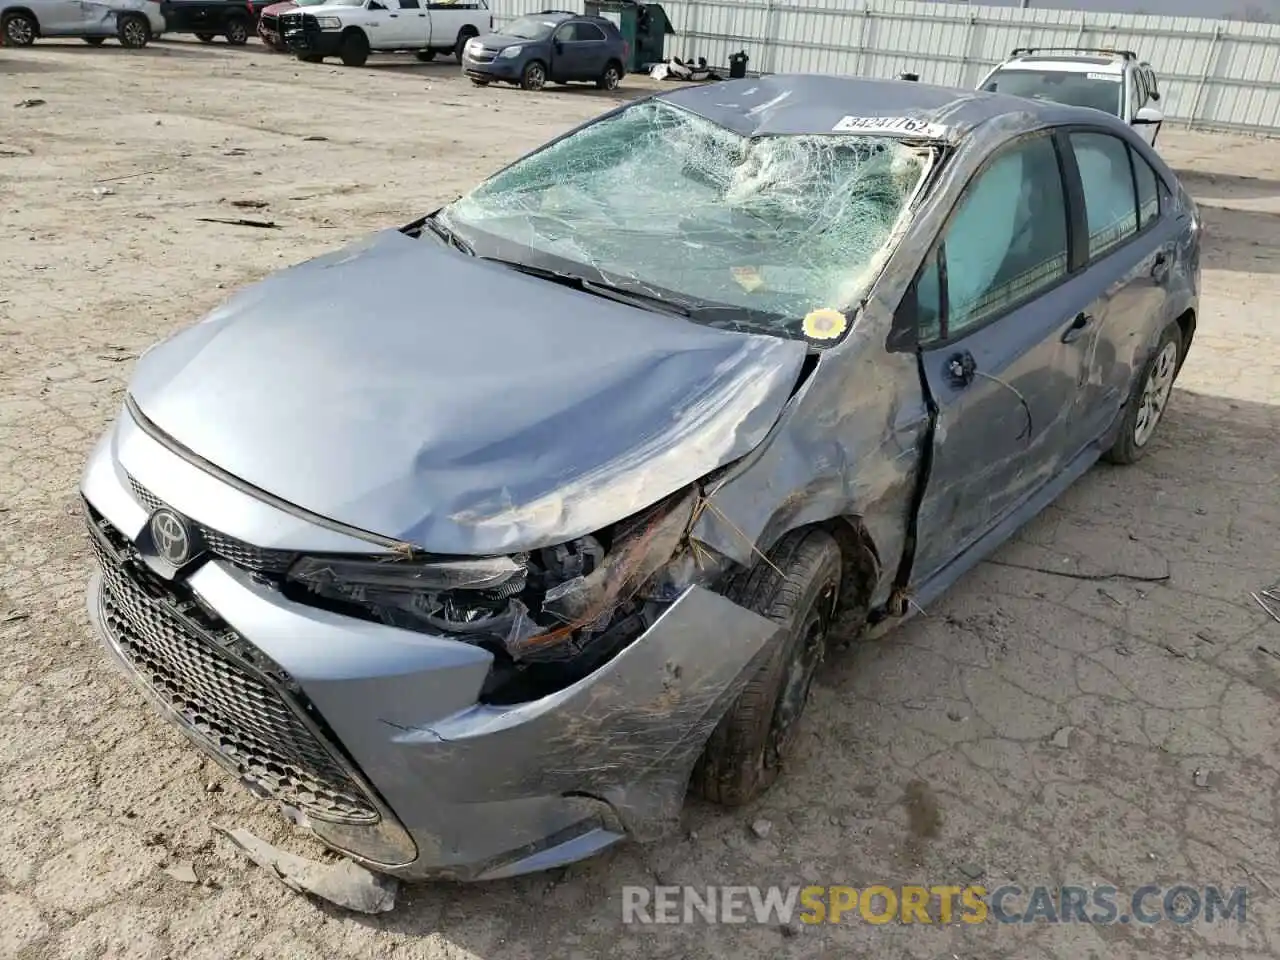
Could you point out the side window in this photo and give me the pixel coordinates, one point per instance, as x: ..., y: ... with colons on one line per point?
x: 589, y: 31
x: 1147, y: 183
x: 1006, y: 241
x: 408, y: 4
x: 1110, y: 206
x: 568, y: 33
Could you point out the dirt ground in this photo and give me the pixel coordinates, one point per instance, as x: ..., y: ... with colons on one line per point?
x: 1055, y: 729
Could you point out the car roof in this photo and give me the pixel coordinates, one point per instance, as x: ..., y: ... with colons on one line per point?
x: 1067, y: 64
x: 810, y: 104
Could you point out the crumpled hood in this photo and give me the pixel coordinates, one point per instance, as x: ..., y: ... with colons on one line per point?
x: 420, y: 394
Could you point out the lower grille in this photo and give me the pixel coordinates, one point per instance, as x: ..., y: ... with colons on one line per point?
x: 223, y: 693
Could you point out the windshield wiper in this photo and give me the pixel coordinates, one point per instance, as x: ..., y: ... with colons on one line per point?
x: 448, y: 236
x: 602, y: 288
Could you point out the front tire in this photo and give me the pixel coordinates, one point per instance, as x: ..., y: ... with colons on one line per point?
x: 746, y: 751
x: 534, y: 76
x: 134, y: 32
x: 355, y: 49
x: 1151, y: 392
x: 20, y: 30
x: 465, y: 35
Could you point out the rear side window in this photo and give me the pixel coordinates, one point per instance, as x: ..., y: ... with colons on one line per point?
x: 1111, y: 208
x: 589, y: 31
x: 1005, y: 243
x: 1147, y: 183
x: 408, y: 4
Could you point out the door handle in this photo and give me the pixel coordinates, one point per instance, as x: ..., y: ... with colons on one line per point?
x: 961, y: 369
x: 1081, y: 323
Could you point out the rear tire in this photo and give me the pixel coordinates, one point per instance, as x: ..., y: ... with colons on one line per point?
x: 205, y: 37
x: 534, y: 76
x: 746, y: 751
x: 237, y: 33
x: 1152, y: 389
x: 134, y: 31
x: 611, y: 78
x: 20, y: 30
x: 94, y: 41
x: 355, y: 49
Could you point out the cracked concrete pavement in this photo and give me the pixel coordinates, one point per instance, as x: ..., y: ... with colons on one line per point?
x: 1044, y: 727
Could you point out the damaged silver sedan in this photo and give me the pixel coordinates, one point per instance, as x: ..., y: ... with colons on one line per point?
x: 478, y: 543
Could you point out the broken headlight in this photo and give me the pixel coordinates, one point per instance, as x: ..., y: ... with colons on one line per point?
x: 547, y: 603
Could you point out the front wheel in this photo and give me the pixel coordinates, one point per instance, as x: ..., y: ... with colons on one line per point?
x: 205, y: 37
x: 1150, y: 396
x: 355, y: 49
x: 797, y: 588
x: 134, y: 32
x: 534, y: 76
x: 465, y: 36
x: 237, y: 32
x: 20, y: 30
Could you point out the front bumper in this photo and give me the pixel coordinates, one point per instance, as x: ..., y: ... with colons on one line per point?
x: 373, y: 736
x: 497, y: 69
x: 309, y: 39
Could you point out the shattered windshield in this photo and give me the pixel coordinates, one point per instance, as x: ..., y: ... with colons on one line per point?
x: 529, y: 28
x: 787, y: 230
x: 1101, y: 91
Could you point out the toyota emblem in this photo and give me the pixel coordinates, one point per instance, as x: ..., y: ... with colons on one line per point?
x: 171, y: 536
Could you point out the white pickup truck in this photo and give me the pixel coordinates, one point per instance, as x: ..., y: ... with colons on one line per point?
x: 352, y: 29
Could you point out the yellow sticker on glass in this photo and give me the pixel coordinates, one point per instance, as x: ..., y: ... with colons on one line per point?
x: 824, y: 324
x: 748, y: 278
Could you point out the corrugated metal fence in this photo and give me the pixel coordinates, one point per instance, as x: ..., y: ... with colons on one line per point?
x: 1216, y: 74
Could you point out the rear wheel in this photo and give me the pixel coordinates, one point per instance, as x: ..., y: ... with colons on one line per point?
x: 797, y: 588
x: 1150, y: 396
x: 534, y: 76
x: 134, y: 31
x: 611, y: 77
x: 94, y: 41
x: 355, y: 49
x: 20, y: 30
x: 205, y: 37
x: 237, y: 32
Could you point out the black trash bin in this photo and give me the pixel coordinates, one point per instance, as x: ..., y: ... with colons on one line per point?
x: 738, y: 65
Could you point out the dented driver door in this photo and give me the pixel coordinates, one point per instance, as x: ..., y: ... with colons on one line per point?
x: 990, y: 305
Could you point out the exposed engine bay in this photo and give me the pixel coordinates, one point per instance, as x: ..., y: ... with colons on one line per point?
x: 549, y: 616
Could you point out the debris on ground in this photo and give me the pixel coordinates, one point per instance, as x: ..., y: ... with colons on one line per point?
x: 344, y: 883
x: 249, y: 204
x: 1269, y: 601
x: 1062, y: 738
x: 1201, y: 777
x: 183, y: 871
x: 691, y: 70
x: 762, y: 828
x: 30, y: 102
x: 241, y: 222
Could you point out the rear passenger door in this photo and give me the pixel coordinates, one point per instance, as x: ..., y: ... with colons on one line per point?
x: 1127, y: 249
x: 990, y: 305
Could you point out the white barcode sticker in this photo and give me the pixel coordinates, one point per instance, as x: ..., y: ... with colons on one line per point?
x: 891, y: 127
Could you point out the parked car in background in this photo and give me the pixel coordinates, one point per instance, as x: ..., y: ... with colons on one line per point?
x: 549, y: 47
x: 352, y: 29
x: 133, y: 22
x: 1113, y: 81
x: 477, y: 543
x: 209, y: 19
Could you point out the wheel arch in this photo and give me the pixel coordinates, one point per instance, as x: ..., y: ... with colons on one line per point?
x: 10, y: 11
x: 1187, y: 324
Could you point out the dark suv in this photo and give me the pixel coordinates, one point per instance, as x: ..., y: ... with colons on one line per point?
x: 554, y: 46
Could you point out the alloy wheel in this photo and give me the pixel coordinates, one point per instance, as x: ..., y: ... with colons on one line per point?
x: 19, y: 32
x: 1155, y: 394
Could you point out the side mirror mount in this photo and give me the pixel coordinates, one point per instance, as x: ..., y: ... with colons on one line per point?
x: 558, y: 46
x: 1148, y: 115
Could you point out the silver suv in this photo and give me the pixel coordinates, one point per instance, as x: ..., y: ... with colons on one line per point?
x: 1115, y: 81
x: 133, y: 22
